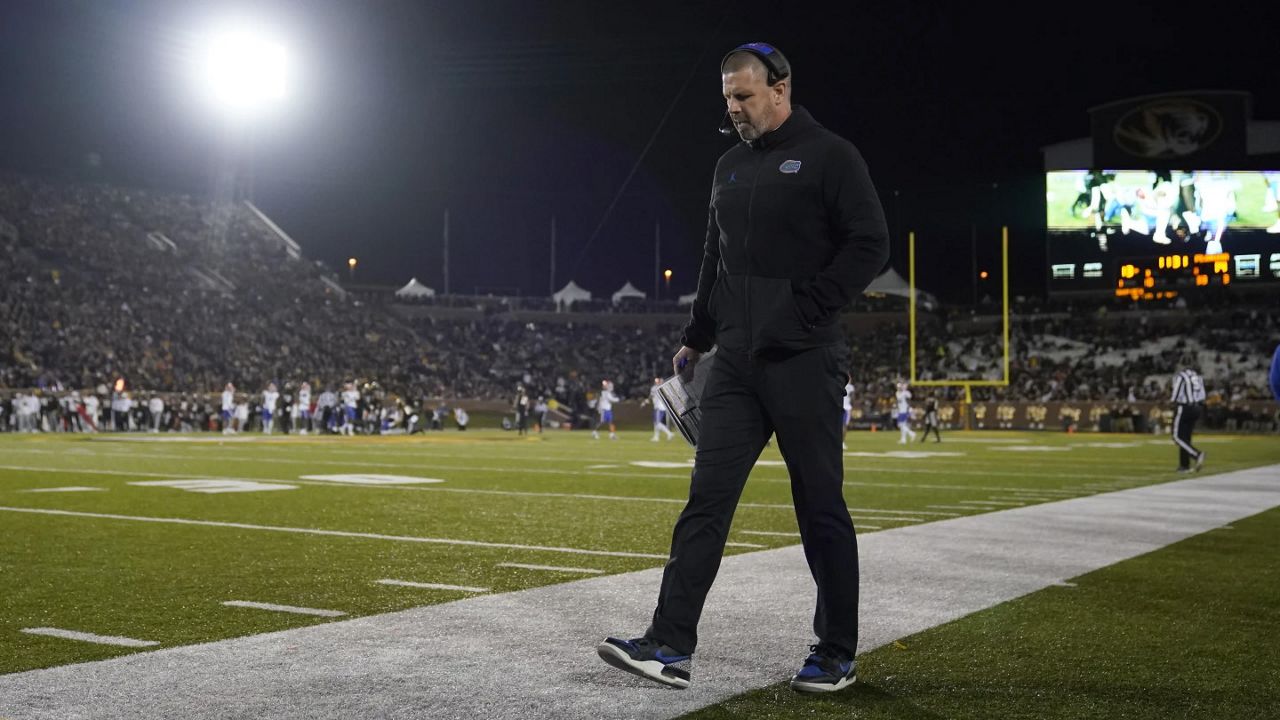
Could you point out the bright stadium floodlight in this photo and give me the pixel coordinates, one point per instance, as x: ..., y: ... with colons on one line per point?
x: 243, y: 70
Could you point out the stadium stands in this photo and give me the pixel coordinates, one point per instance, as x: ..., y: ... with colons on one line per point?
x: 179, y: 296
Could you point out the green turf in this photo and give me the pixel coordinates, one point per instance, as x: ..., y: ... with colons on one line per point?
x: 1188, y: 631
x: 166, y: 582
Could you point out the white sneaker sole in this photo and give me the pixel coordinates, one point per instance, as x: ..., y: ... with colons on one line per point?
x: 649, y: 669
x: 808, y: 687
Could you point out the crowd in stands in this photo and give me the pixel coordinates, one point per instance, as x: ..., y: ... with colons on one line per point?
x: 179, y: 296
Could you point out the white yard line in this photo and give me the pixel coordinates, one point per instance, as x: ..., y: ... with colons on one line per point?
x: 854, y: 483
x: 90, y: 637
x: 552, y: 568
x: 294, y: 609
x: 431, y: 586
x: 438, y: 488
x: 334, y: 533
x: 69, y: 488
x: 992, y: 503
x: 364, y: 464
x: 438, y: 660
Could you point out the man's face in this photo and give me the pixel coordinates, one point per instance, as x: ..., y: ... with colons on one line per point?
x: 752, y: 104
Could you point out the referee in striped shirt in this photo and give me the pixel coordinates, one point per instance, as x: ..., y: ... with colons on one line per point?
x: 1188, y: 395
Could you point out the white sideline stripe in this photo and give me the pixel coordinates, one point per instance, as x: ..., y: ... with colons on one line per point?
x: 902, y: 512
x: 794, y: 535
x: 991, y: 503
x: 742, y: 545
x: 69, y: 488
x: 886, y: 518
x: 284, y: 608
x: 335, y: 533
x: 552, y: 568
x: 431, y: 586
x: 956, y: 507
x: 90, y: 637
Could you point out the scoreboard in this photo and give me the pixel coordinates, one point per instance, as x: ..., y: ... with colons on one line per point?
x: 1155, y: 278
x: 1149, y: 235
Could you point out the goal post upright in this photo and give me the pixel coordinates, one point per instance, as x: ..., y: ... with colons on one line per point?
x: 967, y: 384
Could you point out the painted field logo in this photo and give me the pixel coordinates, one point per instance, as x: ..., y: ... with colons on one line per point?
x: 790, y: 167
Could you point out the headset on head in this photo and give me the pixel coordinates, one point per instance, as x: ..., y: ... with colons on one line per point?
x: 774, y: 61
x: 776, y: 68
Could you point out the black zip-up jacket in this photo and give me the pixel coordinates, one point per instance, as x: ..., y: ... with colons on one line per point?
x: 795, y: 231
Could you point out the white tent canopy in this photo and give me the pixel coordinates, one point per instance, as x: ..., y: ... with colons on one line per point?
x: 569, y: 294
x: 688, y: 299
x: 891, y: 283
x: 415, y: 289
x: 627, y: 291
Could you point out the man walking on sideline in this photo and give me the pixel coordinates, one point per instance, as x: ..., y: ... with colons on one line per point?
x: 1188, y: 395
x: 795, y: 232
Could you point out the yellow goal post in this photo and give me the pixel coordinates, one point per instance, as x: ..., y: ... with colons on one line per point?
x: 1004, y: 318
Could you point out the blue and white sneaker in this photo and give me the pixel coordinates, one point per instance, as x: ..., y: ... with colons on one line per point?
x: 827, y: 669
x: 647, y: 658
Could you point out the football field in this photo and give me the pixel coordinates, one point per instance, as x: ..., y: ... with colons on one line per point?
x: 132, y: 544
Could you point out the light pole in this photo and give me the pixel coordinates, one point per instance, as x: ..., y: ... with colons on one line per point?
x: 351, y: 267
x: 666, y: 275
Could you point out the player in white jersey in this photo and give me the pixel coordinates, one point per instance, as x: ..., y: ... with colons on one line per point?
x: 847, y: 403
x: 903, y: 414
x: 228, y: 409
x: 302, y: 409
x: 604, y: 406
x: 155, y: 407
x: 659, y: 412
x: 350, y: 400
x: 1216, y: 194
x: 270, y: 397
x: 1271, y: 201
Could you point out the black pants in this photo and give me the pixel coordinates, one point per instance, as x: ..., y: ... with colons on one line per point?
x: 798, y: 397
x: 1184, y: 421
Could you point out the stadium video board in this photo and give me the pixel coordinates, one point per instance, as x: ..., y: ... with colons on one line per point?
x: 1146, y: 234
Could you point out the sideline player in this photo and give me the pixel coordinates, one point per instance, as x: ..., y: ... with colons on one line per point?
x: 903, y: 414
x: 228, y: 408
x: 270, y: 397
x: 350, y: 401
x: 659, y: 412
x: 302, y: 409
x: 604, y: 406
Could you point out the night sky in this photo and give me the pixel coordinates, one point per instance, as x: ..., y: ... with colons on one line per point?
x: 509, y: 113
